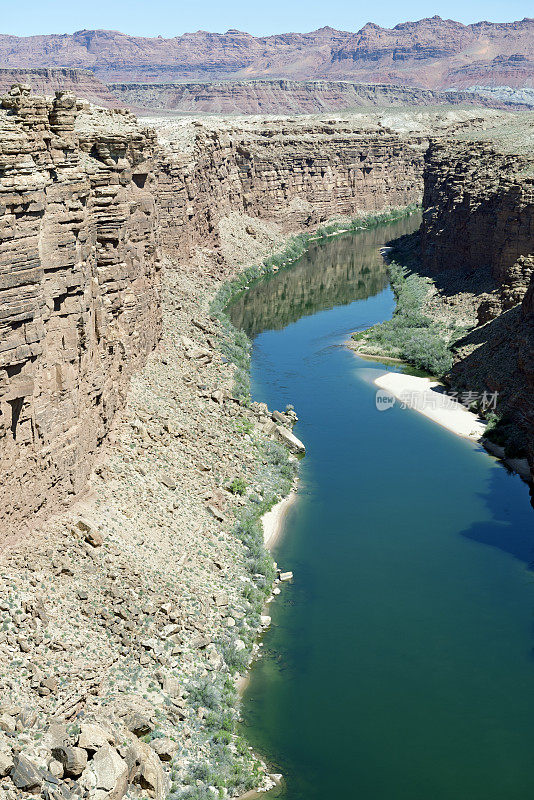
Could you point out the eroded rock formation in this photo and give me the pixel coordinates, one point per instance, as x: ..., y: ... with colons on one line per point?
x: 295, y: 174
x: 49, y: 81
x: 78, y: 293
x: 479, y: 214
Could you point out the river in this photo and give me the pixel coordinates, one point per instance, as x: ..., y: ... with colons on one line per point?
x: 399, y: 664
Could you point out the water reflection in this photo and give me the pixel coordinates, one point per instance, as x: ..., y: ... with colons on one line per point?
x: 345, y: 273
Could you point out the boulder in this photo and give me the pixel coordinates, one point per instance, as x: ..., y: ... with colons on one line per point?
x: 73, y: 759
x: 94, y: 538
x: 6, y: 763
x: 290, y: 440
x: 55, y: 768
x: 149, y: 772
x: 172, y: 686
x: 164, y: 748
x: 139, y: 724
x: 110, y: 774
x: 92, y: 737
x: 7, y: 723
x: 25, y: 775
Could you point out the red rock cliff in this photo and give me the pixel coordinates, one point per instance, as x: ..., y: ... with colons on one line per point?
x: 78, y: 289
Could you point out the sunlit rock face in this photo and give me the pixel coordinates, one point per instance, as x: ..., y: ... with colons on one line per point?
x: 79, y: 288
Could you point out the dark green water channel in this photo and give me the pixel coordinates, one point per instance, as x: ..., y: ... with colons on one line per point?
x: 400, y: 660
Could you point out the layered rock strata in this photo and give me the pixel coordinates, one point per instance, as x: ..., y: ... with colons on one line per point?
x: 433, y: 53
x: 296, y: 175
x: 283, y: 97
x: 78, y: 292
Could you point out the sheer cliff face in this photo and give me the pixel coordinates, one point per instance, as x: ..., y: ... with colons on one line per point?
x: 478, y: 223
x: 280, y: 97
x: 48, y: 81
x: 296, y: 174
x: 78, y: 290
x: 479, y: 214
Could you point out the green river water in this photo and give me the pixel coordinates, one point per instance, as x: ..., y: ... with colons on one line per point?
x: 399, y: 665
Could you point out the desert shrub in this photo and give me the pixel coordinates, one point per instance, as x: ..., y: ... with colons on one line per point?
x: 410, y: 335
x: 238, y: 486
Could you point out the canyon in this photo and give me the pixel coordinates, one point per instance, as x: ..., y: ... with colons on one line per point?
x: 119, y: 432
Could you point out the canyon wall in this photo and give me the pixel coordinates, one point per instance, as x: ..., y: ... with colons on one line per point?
x: 79, y: 264
x: 283, y: 97
x: 86, y: 196
x: 294, y: 174
x: 479, y: 214
x: 478, y: 231
x: 78, y: 289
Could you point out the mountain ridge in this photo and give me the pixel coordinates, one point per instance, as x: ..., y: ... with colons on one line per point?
x: 432, y: 53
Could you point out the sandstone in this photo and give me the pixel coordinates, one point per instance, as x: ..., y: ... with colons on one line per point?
x: 172, y: 686
x: 59, y: 340
x: 164, y: 748
x: 290, y: 440
x: 167, y: 481
x: 7, y: 723
x: 92, y: 736
x: 94, y: 538
x: 55, y: 768
x: 139, y: 724
x: 6, y: 763
x: 149, y: 774
x: 110, y: 774
x: 216, y: 512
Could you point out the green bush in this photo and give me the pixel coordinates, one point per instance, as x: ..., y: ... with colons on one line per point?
x: 410, y: 335
x: 238, y: 486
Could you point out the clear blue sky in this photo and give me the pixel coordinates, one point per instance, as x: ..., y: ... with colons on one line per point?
x: 168, y: 18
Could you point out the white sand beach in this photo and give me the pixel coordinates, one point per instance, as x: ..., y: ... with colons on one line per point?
x: 428, y: 397
x: 273, y: 520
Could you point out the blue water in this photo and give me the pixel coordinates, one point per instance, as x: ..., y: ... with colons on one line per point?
x: 400, y: 660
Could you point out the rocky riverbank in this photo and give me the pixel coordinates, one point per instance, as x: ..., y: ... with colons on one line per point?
x: 118, y: 676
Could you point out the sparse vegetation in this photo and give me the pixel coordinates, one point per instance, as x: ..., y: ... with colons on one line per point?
x: 235, y: 345
x: 410, y: 335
